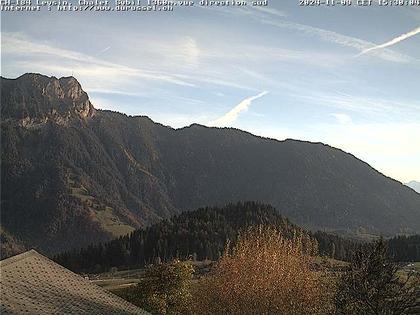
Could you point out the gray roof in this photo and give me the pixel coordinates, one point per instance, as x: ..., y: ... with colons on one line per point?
x: 33, y: 284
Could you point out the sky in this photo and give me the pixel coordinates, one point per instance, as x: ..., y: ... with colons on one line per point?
x: 345, y: 76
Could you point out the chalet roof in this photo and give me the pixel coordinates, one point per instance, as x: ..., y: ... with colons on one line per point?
x: 33, y: 284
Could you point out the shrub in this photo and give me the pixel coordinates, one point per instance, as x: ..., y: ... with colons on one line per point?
x: 165, y: 289
x: 264, y: 273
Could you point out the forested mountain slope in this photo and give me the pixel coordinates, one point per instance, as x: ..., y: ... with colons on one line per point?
x: 200, y: 234
x: 73, y: 175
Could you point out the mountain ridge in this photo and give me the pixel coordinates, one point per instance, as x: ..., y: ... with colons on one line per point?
x: 194, y: 125
x: 102, y: 174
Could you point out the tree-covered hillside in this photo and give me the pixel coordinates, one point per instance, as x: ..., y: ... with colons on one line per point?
x: 201, y: 234
x: 405, y: 248
x: 73, y: 175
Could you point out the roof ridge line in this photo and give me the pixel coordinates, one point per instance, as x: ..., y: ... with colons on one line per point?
x: 18, y: 257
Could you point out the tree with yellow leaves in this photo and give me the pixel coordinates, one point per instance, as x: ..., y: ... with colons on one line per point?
x: 265, y: 273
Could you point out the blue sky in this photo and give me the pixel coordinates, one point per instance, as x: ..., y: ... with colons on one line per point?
x: 281, y: 71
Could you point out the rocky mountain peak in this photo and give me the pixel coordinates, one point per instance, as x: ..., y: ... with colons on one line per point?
x: 34, y: 98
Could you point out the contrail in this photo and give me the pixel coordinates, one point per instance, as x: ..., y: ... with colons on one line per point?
x: 392, y: 41
x: 232, y: 115
x: 104, y: 50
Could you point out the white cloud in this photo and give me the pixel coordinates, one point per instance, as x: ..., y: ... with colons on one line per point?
x: 173, y: 62
x: 393, y: 41
x: 180, y: 53
x: 233, y: 114
x: 367, y: 106
x: 270, y: 11
x: 342, y: 118
x: 190, y: 50
x: 274, y: 17
x: 14, y: 44
x: 340, y: 39
x: 114, y: 92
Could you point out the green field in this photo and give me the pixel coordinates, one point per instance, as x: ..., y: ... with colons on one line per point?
x: 114, y: 281
x: 101, y: 213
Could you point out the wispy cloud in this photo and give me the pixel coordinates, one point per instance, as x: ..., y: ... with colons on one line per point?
x: 81, y: 64
x: 276, y: 18
x: 340, y: 39
x: 233, y: 114
x: 380, y: 108
x: 180, y: 52
x: 97, y: 73
x: 270, y: 11
x: 104, y: 50
x: 393, y: 41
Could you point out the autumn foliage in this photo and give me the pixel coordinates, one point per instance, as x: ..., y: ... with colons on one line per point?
x: 264, y: 273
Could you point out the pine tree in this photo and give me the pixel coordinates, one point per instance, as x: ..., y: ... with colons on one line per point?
x: 373, y: 286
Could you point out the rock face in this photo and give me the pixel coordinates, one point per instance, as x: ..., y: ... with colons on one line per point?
x: 72, y: 175
x: 34, y: 98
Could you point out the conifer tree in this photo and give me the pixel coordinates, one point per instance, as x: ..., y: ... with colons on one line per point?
x: 373, y: 285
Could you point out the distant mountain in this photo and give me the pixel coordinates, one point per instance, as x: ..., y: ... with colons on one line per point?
x: 415, y: 185
x: 72, y: 175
